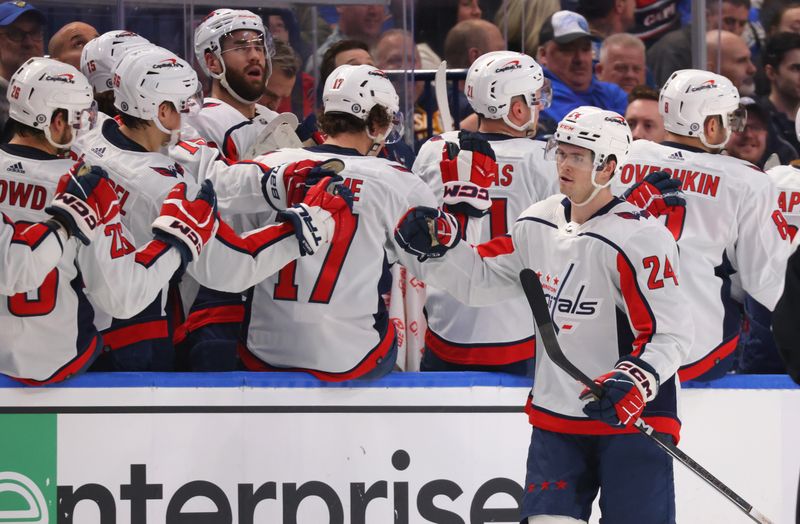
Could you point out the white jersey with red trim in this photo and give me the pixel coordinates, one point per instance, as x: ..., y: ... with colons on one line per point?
x: 49, y: 333
x: 612, y: 287
x: 787, y: 180
x: 225, y: 128
x: 28, y: 252
x: 732, y: 231
x: 325, y: 314
x: 142, y: 180
x: 502, y: 333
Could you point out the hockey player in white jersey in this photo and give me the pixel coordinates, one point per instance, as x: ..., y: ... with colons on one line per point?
x: 153, y: 89
x: 48, y: 332
x: 732, y: 227
x: 507, y: 90
x: 325, y: 315
x: 610, y: 274
x: 234, y: 48
x: 787, y: 180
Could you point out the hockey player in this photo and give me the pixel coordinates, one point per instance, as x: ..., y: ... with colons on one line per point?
x: 507, y: 90
x: 610, y: 275
x: 153, y: 89
x: 325, y: 315
x: 48, y: 332
x: 234, y: 48
x: 732, y: 233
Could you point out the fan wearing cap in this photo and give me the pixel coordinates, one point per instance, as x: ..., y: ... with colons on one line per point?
x: 594, y: 254
x: 731, y: 224
x: 21, y: 37
x: 565, y: 52
x: 759, y: 143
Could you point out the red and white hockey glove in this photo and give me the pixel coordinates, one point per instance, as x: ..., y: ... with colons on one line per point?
x: 287, y: 184
x: 426, y: 232
x: 187, y: 224
x: 627, y: 388
x: 658, y: 193
x: 467, y: 172
x: 84, y: 200
x: 327, y: 207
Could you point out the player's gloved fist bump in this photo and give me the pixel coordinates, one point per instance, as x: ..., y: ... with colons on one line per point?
x: 427, y: 232
x: 626, y: 390
x: 658, y: 192
x: 287, y: 184
x: 84, y: 200
x: 466, y: 173
x: 187, y: 224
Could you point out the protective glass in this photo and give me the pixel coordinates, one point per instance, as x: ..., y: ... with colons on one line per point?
x: 582, y: 160
x: 545, y: 96
x: 193, y: 104
x: 84, y: 119
x: 395, y: 133
x: 737, y: 120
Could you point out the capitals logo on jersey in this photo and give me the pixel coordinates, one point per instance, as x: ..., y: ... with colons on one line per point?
x: 174, y: 171
x: 567, y: 299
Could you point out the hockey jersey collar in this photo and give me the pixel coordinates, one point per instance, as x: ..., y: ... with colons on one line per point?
x: 602, y: 211
x: 112, y: 133
x: 494, y: 137
x: 334, y: 150
x: 27, y: 152
x: 676, y: 145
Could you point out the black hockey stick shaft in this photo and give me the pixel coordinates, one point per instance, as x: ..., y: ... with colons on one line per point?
x: 547, y: 336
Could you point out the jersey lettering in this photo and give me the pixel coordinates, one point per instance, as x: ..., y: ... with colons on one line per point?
x: 122, y: 195
x: 692, y: 181
x: 120, y: 246
x: 354, y: 185
x: 19, y: 194
x: 42, y: 301
x: 654, y: 264
x: 506, y: 174
x: 788, y: 200
x: 781, y: 224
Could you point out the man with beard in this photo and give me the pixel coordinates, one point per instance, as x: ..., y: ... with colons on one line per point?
x: 729, y: 55
x: 234, y: 49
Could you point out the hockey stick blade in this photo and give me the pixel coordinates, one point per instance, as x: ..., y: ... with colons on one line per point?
x: 547, y: 335
x: 440, y: 79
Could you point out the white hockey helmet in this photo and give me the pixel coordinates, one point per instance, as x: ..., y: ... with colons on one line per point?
x: 42, y: 85
x: 692, y: 95
x: 605, y: 133
x: 100, y: 55
x: 149, y: 76
x: 356, y: 89
x: 220, y: 22
x: 496, y: 77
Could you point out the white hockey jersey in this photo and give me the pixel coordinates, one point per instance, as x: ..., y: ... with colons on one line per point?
x: 28, y: 252
x: 48, y: 333
x: 612, y: 287
x: 502, y: 333
x: 732, y: 226
x: 325, y: 314
x: 225, y: 128
x: 787, y: 180
x: 142, y: 180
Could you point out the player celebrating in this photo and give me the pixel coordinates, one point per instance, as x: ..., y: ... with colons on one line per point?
x: 48, y: 331
x: 731, y: 230
x: 325, y: 315
x: 234, y: 48
x: 610, y: 275
x: 153, y: 89
x: 507, y: 90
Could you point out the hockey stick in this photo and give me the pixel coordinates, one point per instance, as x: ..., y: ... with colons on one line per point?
x: 441, y: 97
x: 547, y: 334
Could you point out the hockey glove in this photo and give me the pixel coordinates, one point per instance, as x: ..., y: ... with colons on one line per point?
x: 627, y: 388
x: 287, y: 184
x: 315, y: 219
x: 427, y: 233
x: 467, y: 172
x: 186, y: 224
x: 84, y: 199
x: 658, y: 193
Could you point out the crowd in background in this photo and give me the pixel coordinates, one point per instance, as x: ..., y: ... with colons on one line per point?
x: 614, y: 54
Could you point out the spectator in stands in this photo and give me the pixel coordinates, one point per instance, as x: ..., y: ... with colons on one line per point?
x: 674, y: 50
x: 655, y: 19
x: 566, y: 55
x: 606, y: 17
x: 782, y: 67
x: 284, y: 73
x: 643, y: 116
x: 759, y: 144
x: 468, y: 10
x: 729, y: 56
x: 356, y: 22
x: 434, y: 19
x: 283, y: 26
x: 622, y: 61
x: 21, y: 37
x: 784, y: 19
x: 66, y: 45
x: 523, y: 20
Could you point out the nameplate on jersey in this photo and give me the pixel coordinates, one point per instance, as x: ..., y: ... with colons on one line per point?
x: 697, y: 183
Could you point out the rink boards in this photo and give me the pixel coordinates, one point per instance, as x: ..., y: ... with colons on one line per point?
x: 286, y: 448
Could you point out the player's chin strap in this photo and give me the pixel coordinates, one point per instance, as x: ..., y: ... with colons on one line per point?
x: 377, y: 141
x: 174, y: 134
x: 597, y: 187
x: 62, y: 147
x: 702, y: 136
x: 525, y: 128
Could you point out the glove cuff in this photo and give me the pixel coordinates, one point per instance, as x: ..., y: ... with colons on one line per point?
x: 179, y: 231
x: 643, y: 375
